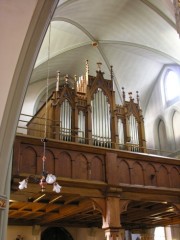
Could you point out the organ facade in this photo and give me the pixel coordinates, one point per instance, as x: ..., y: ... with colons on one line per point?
x: 85, y: 111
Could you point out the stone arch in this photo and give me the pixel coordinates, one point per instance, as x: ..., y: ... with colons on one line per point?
x: 56, y: 233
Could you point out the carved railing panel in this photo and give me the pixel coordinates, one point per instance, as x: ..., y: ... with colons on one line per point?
x: 79, y: 161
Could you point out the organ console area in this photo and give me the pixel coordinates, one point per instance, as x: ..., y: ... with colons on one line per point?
x: 84, y: 110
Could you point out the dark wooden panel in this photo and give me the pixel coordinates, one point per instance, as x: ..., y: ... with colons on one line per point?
x: 78, y: 161
x: 123, y: 171
x: 64, y: 165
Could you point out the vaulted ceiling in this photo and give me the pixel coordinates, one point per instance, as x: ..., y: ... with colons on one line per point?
x: 136, y: 37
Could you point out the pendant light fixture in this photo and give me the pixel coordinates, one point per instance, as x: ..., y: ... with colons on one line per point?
x: 46, y: 178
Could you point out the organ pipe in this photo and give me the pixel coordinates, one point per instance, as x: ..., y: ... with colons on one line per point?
x: 134, y: 135
x: 65, y: 119
x: 100, y: 119
x: 121, y: 133
x: 81, y: 127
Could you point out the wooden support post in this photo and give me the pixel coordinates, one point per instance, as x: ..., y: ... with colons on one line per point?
x: 113, y: 234
x: 111, y: 219
x: 147, y: 234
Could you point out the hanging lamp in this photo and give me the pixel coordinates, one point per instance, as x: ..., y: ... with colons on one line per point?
x: 46, y: 178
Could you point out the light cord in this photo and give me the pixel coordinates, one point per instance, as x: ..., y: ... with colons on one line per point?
x: 47, y: 83
x: 47, y: 95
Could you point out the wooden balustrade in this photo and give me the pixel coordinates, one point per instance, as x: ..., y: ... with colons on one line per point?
x: 80, y: 161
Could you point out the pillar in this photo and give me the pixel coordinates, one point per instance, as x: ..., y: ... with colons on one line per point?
x: 168, y: 233
x: 128, y: 235
x: 111, y: 219
x: 20, y: 53
x: 147, y: 234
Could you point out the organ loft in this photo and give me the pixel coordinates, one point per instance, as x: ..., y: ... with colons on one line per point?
x: 96, y: 150
x: 85, y: 111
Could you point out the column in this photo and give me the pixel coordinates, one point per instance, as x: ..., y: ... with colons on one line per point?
x: 147, y: 234
x: 128, y: 235
x: 111, y: 219
x: 16, y: 68
x: 168, y: 233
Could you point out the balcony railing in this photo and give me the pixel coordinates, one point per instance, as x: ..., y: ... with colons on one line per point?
x: 37, y: 129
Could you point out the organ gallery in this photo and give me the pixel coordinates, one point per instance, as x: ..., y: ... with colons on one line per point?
x: 96, y: 151
x: 84, y: 110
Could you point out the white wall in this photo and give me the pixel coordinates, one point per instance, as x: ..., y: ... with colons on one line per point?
x: 156, y: 110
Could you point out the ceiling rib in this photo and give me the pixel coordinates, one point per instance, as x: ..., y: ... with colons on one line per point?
x: 159, y: 12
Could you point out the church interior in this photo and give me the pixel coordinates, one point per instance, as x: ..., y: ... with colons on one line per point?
x: 90, y: 133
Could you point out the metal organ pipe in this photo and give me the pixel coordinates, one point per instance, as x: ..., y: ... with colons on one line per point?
x: 65, y: 119
x: 101, y: 132
x: 133, y: 126
x: 121, y: 133
x: 81, y: 127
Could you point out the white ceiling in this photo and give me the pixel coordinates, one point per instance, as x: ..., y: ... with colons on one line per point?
x: 136, y: 37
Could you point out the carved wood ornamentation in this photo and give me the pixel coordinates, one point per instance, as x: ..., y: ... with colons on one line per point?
x: 80, y: 98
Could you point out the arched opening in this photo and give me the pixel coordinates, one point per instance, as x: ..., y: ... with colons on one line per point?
x: 176, y: 130
x: 163, y: 142
x: 171, y: 87
x: 56, y: 233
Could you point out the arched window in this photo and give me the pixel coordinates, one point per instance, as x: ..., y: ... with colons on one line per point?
x: 171, y: 87
x: 163, y: 143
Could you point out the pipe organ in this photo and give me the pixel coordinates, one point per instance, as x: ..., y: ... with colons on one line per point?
x: 85, y: 111
x: 101, y: 120
x: 65, y: 120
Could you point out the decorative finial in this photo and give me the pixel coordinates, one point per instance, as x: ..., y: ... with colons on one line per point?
x: 130, y: 95
x: 87, y: 71
x: 112, y: 76
x: 58, y: 80
x: 66, y: 79
x: 123, y: 93
x: 99, y: 66
x: 137, y: 97
x: 75, y: 82
x: 138, y: 100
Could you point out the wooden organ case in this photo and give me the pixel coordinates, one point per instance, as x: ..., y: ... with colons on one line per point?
x: 86, y: 112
